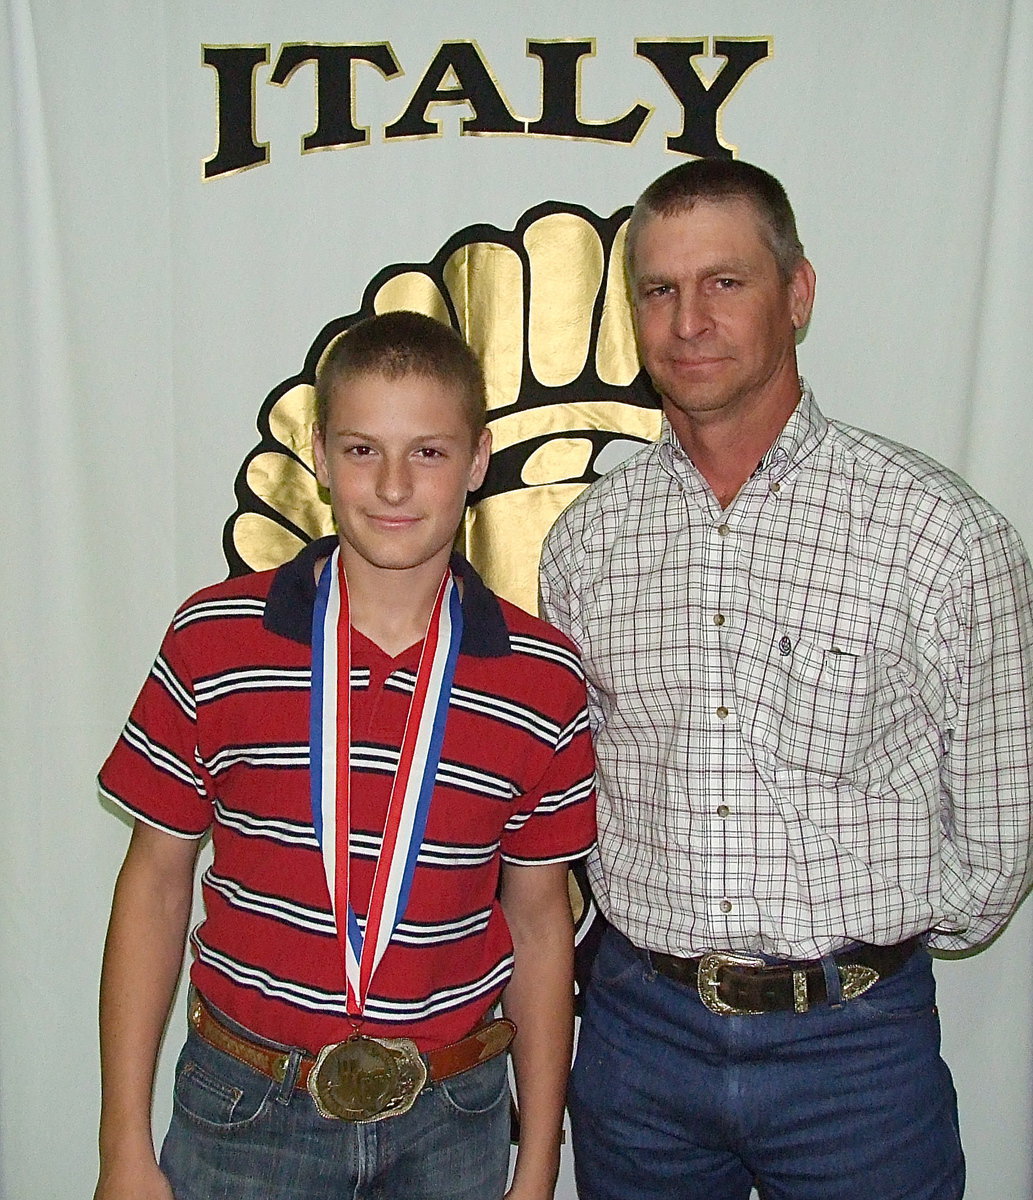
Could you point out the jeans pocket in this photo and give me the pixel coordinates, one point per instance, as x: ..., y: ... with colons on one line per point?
x: 618, y: 961
x: 215, y: 1090
x: 909, y: 993
x: 480, y: 1089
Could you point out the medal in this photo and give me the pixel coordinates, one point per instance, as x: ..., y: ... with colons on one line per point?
x: 330, y: 750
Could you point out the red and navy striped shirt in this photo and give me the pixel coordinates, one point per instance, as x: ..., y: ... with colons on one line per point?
x: 219, y: 739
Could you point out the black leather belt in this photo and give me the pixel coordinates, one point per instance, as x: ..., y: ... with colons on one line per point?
x: 737, y: 984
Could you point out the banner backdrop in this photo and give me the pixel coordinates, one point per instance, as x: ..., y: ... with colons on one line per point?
x: 196, y: 197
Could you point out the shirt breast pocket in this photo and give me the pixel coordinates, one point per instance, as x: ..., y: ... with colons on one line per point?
x: 825, y: 716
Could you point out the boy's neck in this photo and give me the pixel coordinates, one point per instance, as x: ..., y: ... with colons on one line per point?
x: 393, y: 622
x: 391, y: 608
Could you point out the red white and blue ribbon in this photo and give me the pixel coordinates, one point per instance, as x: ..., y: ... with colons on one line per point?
x: 413, y: 786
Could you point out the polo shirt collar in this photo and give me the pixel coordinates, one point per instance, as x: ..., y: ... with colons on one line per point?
x: 292, y: 596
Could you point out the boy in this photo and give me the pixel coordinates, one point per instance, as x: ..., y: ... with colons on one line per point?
x: 362, y: 916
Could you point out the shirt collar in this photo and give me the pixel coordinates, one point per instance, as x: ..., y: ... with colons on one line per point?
x: 292, y: 595
x: 805, y: 428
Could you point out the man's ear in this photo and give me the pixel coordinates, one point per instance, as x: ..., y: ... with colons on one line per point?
x: 801, y: 293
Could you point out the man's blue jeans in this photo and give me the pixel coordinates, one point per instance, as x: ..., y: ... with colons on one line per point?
x: 238, y: 1135
x: 668, y: 1099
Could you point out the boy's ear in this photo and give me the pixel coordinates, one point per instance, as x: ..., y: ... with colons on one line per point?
x: 481, y: 457
x: 319, y: 456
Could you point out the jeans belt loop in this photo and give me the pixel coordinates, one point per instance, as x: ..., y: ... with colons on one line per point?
x: 290, y: 1076
x: 833, y: 981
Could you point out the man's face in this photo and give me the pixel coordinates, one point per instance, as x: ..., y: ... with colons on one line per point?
x: 716, y: 325
x: 398, y: 459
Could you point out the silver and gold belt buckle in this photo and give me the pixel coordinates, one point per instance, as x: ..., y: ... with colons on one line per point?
x: 708, y: 982
x: 367, y: 1079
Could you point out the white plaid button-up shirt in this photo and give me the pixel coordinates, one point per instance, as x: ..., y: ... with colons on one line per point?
x: 812, y: 710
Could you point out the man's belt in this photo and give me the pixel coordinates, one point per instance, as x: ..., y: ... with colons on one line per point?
x: 737, y: 985
x: 362, y: 1078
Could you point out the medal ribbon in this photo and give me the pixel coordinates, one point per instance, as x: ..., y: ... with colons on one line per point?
x: 413, y: 785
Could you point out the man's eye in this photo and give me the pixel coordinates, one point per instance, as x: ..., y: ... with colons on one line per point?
x: 658, y: 289
x: 726, y: 283
x: 359, y: 451
x: 430, y: 452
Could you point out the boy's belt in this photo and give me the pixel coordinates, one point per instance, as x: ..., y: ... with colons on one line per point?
x: 362, y: 1078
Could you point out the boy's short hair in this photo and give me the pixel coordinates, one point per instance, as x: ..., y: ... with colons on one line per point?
x: 396, y: 344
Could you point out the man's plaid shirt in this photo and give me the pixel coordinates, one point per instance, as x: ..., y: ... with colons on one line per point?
x: 812, y: 710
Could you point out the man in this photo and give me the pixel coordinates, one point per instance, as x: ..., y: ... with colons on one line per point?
x: 810, y: 664
x: 362, y: 916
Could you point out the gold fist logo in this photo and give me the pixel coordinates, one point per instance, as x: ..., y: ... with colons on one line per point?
x: 546, y: 309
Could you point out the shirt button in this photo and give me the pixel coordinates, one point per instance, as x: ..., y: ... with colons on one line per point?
x: 775, y: 487
x: 719, y: 618
x: 722, y: 530
x: 726, y: 906
x: 722, y: 811
x: 721, y: 711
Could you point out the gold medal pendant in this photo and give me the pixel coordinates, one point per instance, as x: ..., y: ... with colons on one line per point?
x: 367, y: 1079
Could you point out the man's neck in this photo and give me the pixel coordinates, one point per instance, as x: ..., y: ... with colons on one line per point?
x: 726, y: 449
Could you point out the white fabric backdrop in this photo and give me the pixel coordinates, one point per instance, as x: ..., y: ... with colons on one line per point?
x: 148, y: 313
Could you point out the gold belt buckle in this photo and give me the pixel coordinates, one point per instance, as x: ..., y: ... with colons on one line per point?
x: 367, y: 1079
x: 710, y: 966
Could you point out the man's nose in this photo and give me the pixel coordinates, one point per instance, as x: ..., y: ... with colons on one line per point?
x: 691, y: 315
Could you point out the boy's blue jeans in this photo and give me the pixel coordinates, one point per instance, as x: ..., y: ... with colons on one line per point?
x: 238, y: 1135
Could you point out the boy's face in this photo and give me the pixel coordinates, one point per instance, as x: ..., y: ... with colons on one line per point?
x: 398, y: 460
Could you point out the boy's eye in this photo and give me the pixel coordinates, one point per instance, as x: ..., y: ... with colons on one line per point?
x: 430, y: 452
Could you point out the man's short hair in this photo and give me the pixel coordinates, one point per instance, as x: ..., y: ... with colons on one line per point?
x: 714, y: 180
x: 397, y: 344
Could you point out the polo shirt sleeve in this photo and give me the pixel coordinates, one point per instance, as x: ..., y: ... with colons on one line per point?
x: 554, y: 821
x: 155, y: 772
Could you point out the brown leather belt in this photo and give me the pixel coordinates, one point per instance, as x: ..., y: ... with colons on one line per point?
x: 484, y: 1043
x: 737, y: 984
